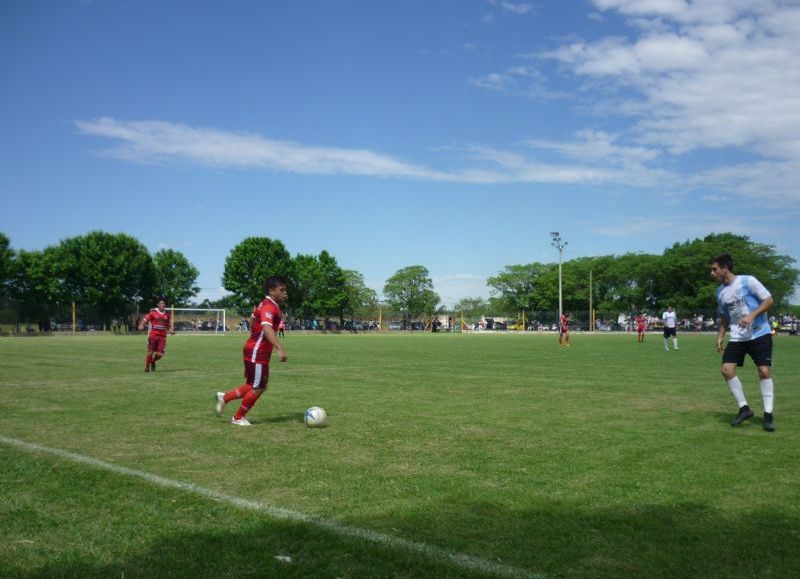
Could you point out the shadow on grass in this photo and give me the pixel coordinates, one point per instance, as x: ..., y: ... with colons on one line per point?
x: 287, y: 417
x: 558, y: 540
x: 725, y: 418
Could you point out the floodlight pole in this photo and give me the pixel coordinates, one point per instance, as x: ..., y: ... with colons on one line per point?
x: 559, y: 244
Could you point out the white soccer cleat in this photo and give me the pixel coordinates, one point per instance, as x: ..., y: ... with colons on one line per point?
x: 219, y: 398
x: 240, y: 422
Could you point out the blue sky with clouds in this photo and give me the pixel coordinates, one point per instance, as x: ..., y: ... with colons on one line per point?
x: 454, y: 134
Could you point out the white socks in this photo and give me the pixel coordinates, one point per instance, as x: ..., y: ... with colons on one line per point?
x: 766, y: 394
x: 736, y: 389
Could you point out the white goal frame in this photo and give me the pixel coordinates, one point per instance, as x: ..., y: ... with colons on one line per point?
x: 198, y: 319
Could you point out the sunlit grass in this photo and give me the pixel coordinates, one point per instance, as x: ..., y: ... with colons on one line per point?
x: 607, y: 459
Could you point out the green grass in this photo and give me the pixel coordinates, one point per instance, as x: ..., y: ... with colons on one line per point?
x: 609, y: 459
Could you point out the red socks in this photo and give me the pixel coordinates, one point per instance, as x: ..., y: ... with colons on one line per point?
x: 249, y: 401
x: 237, y: 393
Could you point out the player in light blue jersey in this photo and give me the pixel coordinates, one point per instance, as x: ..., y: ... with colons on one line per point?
x: 743, y: 303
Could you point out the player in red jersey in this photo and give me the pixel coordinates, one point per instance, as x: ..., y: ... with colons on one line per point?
x: 159, y: 321
x: 264, y: 322
x: 641, y: 326
x: 563, y: 330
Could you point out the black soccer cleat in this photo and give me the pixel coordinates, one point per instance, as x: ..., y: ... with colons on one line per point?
x: 769, y: 425
x: 744, y: 414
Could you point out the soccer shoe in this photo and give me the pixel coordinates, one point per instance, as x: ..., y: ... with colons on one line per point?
x: 152, y: 366
x: 147, y: 368
x: 769, y: 425
x: 240, y: 421
x: 744, y: 414
x: 219, y: 399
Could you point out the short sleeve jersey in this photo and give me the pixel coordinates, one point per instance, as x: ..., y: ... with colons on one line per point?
x: 158, y: 322
x: 670, y: 319
x: 641, y: 322
x: 564, y: 323
x: 737, y: 299
x: 258, y: 349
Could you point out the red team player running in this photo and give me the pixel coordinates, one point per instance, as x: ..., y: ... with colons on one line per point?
x: 641, y: 326
x: 159, y: 321
x: 264, y: 322
x: 564, y: 330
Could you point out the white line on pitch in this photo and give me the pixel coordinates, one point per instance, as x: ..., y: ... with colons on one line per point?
x: 467, y: 562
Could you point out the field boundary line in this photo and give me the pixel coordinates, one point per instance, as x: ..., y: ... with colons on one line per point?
x: 467, y: 562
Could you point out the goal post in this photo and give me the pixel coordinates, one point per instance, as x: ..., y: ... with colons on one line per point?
x: 198, y: 321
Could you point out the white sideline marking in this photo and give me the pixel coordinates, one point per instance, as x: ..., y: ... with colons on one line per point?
x: 467, y: 562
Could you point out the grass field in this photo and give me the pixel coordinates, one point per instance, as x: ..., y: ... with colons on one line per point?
x: 445, y: 456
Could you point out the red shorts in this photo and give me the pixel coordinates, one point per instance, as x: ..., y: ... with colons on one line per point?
x: 256, y: 375
x: 641, y: 328
x: 156, y: 344
x: 565, y: 330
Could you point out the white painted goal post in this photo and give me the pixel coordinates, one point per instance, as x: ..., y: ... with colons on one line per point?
x: 198, y: 321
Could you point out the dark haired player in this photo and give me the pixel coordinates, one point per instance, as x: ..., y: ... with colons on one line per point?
x: 743, y: 303
x: 159, y: 321
x: 264, y: 322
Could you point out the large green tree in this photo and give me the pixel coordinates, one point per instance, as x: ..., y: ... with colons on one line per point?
x: 6, y: 262
x: 516, y: 287
x: 360, y: 300
x: 684, y: 278
x: 249, y: 264
x: 37, y: 292
x: 175, y: 277
x: 106, y: 272
x: 410, y: 290
x: 318, y: 286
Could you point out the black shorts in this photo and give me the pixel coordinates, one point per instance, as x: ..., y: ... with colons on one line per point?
x: 669, y: 332
x: 760, y: 351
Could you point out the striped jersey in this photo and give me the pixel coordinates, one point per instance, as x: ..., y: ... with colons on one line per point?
x: 258, y: 349
x: 737, y: 299
x: 158, y: 322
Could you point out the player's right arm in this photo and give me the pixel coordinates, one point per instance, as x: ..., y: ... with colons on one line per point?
x: 723, y: 329
x: 272, y: 337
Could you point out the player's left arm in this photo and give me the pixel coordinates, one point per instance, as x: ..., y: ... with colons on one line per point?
x: 762, y: 307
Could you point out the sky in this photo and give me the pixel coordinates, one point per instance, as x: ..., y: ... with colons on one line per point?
x: 453, y: 134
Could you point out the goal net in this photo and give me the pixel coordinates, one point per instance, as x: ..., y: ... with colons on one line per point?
x: 202, y: 321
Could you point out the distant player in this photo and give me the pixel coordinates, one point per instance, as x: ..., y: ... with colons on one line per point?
x: 563, y: 331
x: 159, y: 322
x: 670, y: 328
x: 264, y: 322
x: 281, y: 329
x: 743, y: 302
x: 641, y: 327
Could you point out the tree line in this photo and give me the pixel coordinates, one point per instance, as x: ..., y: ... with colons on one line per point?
x: 637, y: 282
x: 109, y: 275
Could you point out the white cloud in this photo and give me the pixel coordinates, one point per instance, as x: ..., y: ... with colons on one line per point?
x: 516, y: 8
x: 164, y: 142
x: 678, y: 226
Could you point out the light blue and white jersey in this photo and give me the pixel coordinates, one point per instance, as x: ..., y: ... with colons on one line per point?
x: 737, y: 299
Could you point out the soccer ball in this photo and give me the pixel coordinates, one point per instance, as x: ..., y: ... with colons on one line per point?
x: 315, y: 416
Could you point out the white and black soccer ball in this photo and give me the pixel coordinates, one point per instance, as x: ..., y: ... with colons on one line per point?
x: 315, y: 416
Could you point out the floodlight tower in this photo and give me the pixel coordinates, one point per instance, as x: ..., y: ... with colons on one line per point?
x: 559, y: 244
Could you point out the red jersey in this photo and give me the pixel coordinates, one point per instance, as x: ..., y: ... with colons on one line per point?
x: 257, y: 348
x: 158, y: 322
x: 641, y: 323
x: 564, y: 323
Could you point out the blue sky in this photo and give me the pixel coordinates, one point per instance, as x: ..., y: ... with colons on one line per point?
x: 454, y: 134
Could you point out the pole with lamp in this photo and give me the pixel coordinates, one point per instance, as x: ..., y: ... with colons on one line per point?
x: 559, y: 244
